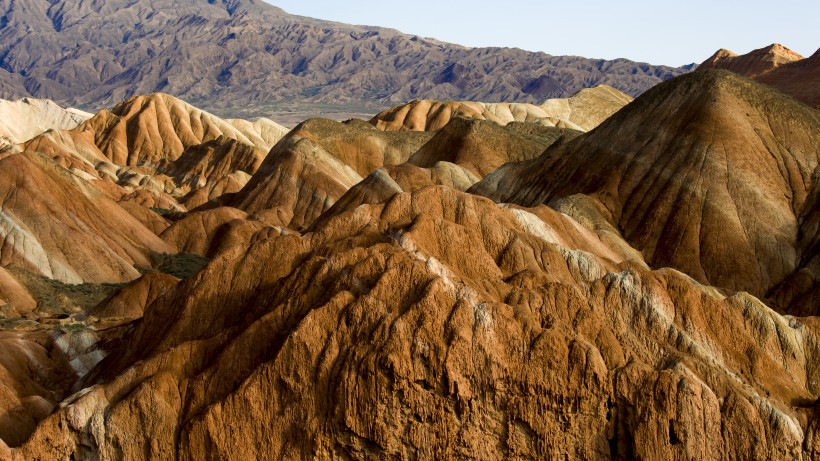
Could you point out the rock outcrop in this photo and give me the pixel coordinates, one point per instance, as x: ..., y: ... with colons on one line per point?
x: 161, y: 152
x: 26, y: 118
x: 644, y: 290
x: 717, y: 188
x: 315, y: 164
x: 776, y: 66
x: 375, y: 336
x: 55, y: 224
x: 583, y: 111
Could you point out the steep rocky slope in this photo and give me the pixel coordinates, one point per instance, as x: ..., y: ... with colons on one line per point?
x: 621, y: 296
x: 532, y: 338
x: 56, y: 224
x: 710, y: 174
x: 799, y: 79
x: 161, y: 152
x: 754, y: 63
x: 777, y: 66
x: 583, y: 111
x: 315, y: 164
x: 243, y: 56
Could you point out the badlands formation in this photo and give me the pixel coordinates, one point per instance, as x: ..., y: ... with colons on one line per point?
x: 591, y: 278
x: 777, y: 66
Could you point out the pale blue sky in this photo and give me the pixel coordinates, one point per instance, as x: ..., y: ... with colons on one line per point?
x: 660, y: 32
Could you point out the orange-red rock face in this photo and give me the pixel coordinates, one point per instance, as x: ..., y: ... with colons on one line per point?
x: 776, y: 66
x: 621, y: 294
x: 532, y: 332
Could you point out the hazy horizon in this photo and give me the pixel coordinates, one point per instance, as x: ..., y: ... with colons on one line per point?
x: 640, y: 30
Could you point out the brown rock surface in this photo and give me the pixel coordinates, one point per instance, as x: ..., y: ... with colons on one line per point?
x: 210, y: 232
x: 15, y: 299
x: 358, y: 305
x: 776, y: 66
x: 716, y: 187
x: 57, y: 225
x: 162, y: 151
x: 754, y: 63
x: 129, y: 303
x: 479, y: 146
x: 158, y: 127
x: 376, y: 337
x: 315, y: 164
x: 799, y: 79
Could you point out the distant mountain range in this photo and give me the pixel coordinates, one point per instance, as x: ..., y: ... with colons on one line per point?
x: 245, y: 57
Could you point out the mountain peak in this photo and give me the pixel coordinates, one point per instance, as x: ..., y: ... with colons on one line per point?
x: 756, y: 62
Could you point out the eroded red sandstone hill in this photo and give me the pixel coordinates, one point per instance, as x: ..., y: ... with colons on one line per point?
x: 777, y: 66
x: 622, y: 294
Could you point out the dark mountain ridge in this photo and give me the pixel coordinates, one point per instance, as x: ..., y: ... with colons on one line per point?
x: 245, y: 56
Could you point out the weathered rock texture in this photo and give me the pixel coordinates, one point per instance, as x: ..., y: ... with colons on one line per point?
x: 377, y: 337
x: 710, y: 174
x: 583, y: 111
x: 26, y: 118
x: 55, y: 224
x: 776, y: 66
x: 623, y: 296
x: 161, y: 152
x: 237, y: 57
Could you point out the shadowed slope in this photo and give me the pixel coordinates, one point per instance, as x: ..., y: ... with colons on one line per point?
x: 478, y: 146
x: 317, y: 163
x: 708, y: 173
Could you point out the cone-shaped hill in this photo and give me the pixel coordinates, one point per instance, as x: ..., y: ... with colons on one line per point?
x: 754, y: 63
x: 161, y: 150
x: 799, y: 79
x: 158, y: 127
x: 709, y: 173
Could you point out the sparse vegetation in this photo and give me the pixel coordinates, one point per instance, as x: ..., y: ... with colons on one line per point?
x: 182, y: 265
x: 56, y: 298
x: 171, y: 215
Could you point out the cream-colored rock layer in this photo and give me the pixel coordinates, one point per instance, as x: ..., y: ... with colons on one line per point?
x: 26, y: 118
x: 317, y: 163
x: 53, y: 223
x: 141, y: 146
